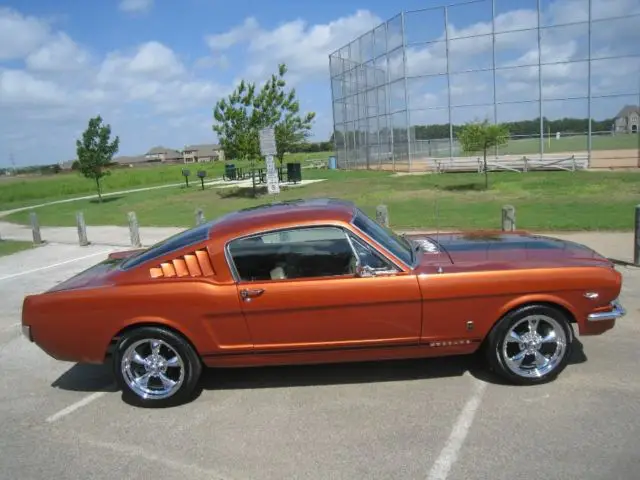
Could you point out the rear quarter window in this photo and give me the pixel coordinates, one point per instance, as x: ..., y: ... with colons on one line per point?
x: 176, y: 242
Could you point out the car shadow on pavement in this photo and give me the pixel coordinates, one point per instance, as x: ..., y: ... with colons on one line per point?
x: 86, y: 378
x: 360, y: 372
x: 93, y: 378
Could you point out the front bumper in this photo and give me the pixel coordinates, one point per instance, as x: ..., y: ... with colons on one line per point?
x: 616, y: 311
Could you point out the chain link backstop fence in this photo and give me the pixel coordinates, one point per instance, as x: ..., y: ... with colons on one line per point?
x: 564, y: 75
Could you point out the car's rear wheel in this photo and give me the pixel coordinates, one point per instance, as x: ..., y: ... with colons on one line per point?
x: 156, y: 367
x: 530, y: 345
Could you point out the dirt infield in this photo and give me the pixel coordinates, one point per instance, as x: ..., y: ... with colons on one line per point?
x: 615, y: 159
x: 600, y: 159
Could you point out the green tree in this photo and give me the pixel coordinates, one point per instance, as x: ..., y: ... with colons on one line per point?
x: 240, y: 116
x: 281, y: 110
x: 480, y: 137
x: 95, y: 151
x: 237, y: 121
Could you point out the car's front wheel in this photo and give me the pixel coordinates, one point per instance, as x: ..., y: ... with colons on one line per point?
x: 530, y: 345
x: 156, y: 367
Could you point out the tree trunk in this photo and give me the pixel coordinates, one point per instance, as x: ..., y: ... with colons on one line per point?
x: 98, y: 187
x: 486, y: 171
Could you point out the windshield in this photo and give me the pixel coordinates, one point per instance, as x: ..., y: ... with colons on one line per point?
x: 397, y: 245
x: 175, y: 242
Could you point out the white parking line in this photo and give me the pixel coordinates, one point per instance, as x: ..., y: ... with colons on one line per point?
x: 449, y: 453
x: 6, y: 277
x: 75, y: 406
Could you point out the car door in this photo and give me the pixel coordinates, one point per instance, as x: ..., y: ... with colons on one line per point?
x: 299, y: 290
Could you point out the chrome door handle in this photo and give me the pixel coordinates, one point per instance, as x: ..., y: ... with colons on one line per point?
x: 248, y: 294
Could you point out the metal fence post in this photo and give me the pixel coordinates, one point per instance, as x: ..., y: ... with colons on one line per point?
x: 82, y: 229
x: 382, y: 215
x: 199, y: 216
x: 35, y: 228
x: 134, y: 230
x: 508, y: 218
x: 636, y: 238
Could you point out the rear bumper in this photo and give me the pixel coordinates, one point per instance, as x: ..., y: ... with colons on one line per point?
x: 26, y: 331
x: 617, y: 311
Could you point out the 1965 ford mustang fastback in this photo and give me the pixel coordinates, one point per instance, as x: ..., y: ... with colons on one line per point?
x: 315, y: 281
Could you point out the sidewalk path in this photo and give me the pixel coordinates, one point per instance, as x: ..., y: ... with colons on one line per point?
x: 217, y: 183
x: 98, y: 235
x: 89, y: 197
x: 614, y: 245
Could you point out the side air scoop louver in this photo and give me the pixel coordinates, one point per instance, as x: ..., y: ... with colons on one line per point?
x: 196, y: 264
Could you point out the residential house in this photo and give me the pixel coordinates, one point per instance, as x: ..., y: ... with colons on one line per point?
x: 66, y: 165
x: 202, y: 153
x: 628, y: 120
x: 163, y: 155
x: 131, y: 161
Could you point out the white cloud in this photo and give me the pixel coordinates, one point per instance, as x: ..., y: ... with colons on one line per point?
x: 135, y: 6
x: 303, y: 47
x: 217, y: 61
x: 152, y: 60
x: 19, y: 34
x: 239, y: 34
x: 44, y: 102
x: 153, y: 73
x: 21, y: 88
x: 59, y: 54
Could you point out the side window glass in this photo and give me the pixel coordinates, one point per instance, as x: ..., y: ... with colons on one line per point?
x: 369, y: 257
x: 295, y: 253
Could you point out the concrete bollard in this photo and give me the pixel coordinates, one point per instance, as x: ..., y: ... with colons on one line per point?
x: 82, y: 229
x: 35, y: 228
x: 636, y: 238
x: 134, y: 230
x: 382, y: 215
x: 508, y: 218
x: 200, y: 216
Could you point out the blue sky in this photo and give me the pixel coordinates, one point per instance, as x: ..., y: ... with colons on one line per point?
x: 155, y: 68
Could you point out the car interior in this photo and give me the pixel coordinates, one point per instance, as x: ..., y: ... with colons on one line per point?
x: 256, y: 260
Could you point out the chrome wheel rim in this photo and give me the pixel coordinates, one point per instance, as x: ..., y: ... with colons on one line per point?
x: 152, y: 369
x: 534, y: 346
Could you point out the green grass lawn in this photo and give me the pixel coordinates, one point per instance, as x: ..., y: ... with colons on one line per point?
x: 543, y: 200
x: 7, y: 247
x: 571, y: 144
x: 24, y: 191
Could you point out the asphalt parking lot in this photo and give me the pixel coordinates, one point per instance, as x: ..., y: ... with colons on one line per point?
x: 436, y: 419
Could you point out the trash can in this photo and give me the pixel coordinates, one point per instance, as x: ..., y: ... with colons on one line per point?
x: 229, y: 171
x: 332, y: 163
x: 294, y: 172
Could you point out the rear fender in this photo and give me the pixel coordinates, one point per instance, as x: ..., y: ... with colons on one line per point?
x: 139, y: 322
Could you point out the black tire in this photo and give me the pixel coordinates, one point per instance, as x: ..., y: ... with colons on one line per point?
x: 493, y: 348
x: 190, y: 363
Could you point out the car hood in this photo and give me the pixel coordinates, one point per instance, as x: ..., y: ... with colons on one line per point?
x: 484, y: 250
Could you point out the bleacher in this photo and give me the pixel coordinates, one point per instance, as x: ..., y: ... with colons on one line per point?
x: 505, y: 163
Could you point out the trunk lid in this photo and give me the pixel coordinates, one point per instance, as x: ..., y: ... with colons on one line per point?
x: 98, y: 275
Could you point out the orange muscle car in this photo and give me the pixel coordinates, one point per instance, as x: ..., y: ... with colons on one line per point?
x: 315, y: 281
